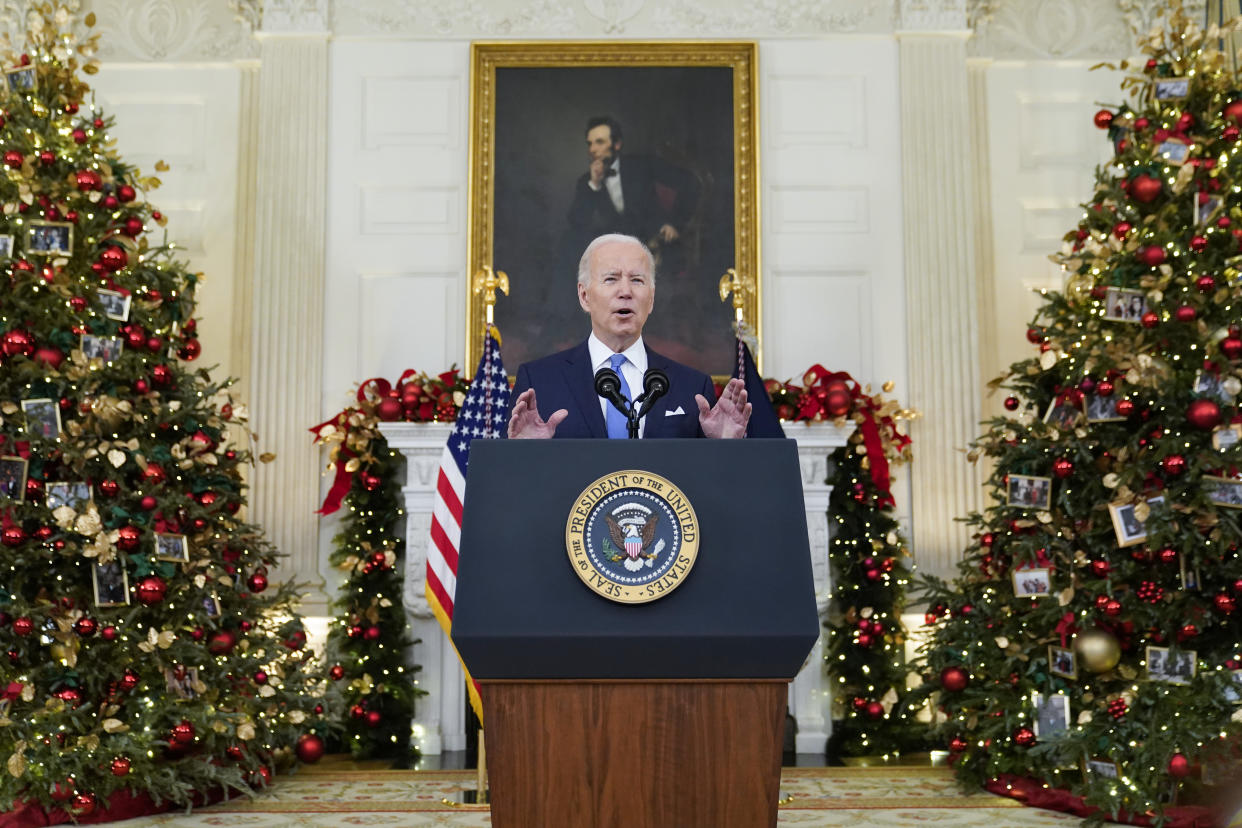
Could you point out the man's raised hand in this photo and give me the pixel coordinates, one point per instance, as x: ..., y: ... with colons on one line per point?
x: 526, y: 424
x: 727, y: 419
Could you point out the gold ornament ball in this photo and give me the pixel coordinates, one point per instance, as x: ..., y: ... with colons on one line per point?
x: 1098, y: 651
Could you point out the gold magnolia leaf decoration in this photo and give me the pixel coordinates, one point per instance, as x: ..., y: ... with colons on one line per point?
x: 17, y: 762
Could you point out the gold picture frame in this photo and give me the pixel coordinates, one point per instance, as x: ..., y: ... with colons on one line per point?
x: 532, y: 101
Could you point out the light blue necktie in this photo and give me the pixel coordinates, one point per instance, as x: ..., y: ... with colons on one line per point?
x: 615, y: 419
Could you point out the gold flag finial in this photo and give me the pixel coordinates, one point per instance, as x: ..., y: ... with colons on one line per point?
x: 740, y: 287
x: 486, y: 281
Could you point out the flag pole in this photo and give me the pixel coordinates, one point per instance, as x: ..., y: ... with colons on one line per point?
x: 486, y: 281
x: 740, y: 287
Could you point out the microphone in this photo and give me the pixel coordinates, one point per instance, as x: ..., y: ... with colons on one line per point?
x: 655, y: 385
x: 608, y: 386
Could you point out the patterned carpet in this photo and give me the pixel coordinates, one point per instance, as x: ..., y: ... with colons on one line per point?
x: 328, y: 796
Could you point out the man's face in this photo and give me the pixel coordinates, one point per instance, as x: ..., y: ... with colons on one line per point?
x: 620, y: 294
x: 600, y: 146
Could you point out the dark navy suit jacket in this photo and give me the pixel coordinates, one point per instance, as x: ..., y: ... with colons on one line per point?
x: 566, y: 380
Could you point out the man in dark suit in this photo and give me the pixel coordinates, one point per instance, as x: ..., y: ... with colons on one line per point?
x: 642, y: 196
x: 616, y: 287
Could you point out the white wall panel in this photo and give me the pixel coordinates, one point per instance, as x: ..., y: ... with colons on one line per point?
x: 832, y: 258
x: 397, y: 172
x: 186, y: 115
x: 1043, y: 151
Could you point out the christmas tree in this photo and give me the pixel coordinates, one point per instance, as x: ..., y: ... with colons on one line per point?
x: 148, y: 658
x: 1086, y: 655
x: 870, y: 562
x: 369, y: 639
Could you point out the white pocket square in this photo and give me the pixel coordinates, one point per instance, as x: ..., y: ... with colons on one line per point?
x: 674, y: 413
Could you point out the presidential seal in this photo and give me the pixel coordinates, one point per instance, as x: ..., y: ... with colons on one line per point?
x: 632, y: 536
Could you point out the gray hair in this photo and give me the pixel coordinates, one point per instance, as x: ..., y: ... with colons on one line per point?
x: 584, y: 264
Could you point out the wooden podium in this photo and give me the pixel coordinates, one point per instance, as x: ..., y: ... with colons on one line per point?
x: 668, y: 714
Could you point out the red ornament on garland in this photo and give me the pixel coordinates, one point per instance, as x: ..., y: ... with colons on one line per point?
x: 126, y: 193
x: 389, y: 409
x: 1203, y: 414
x: 1179, y: 766
x: 151, y: 590
x: 1145, y: 188
x: 954, y: 679
x: 120, y: 766
x: 1103, y: 119
x: 310, y: 748
x: 84, y: 804
x: 838, y: 401
x: 369, y: 481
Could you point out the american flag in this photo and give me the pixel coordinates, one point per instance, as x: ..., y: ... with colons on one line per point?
x: 482, y: 416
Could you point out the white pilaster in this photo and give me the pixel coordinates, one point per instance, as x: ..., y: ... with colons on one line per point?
x: 439, y: 721
x: 938, y: 184
x: 287, y: 290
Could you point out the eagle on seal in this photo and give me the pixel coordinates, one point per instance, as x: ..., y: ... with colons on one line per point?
x: 633, y: 541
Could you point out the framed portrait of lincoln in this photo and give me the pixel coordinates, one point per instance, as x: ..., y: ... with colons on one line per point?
x: 571, y: 140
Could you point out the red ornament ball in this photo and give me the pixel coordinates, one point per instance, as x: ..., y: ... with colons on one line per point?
x: 13, y: 536
x: 108, y: 633
x: 109, y: 487
x: 1198, y: 244
x: 1152, y: 255
x: 13, y: 159
x: 1149, y: 319
x: 1204, y: 414
x: 190, y: 350
x: 1103, y: 119
x: 49, y: 356
x: 957, y: 744
x: 1167, y: 555
x: 260, y: 677
x: 23, y: 626
x: 1125, y: 407
x: 1179, y: 766
x: 113, y: 258
x: 133, y: 227
x: 1011, y: 403
x: 370, y: 482
x: 85, y: 626
x: 1187, y: 632
x: 1145, y: 188
x: 1112, y: 607
x: 148, y: 503
x: 875, y: 710
x: 389, y: 409
x: 120, y: 766
x: 310, y: 748
x: 1231, y: 347
x: 1105, y: 388
x: 374, y: 718
x: 1225, y: 603
x: 954, y: 679
x: 151, y: 590
x: 182, y: 733
x: 126, y: 193
x: 372, y: 633
x: 88, y: 180
x: 161, y: 375
x: 17, y: 342
x: 84, y: 804
x: 1185, y: 313
x: 128, y: 537
x: 1034, y: 336
x: 128, y: 681
x: 257, y: 582
x: 1062, y: 468
x: 1100, y: 568
x: 1174, y: 465
x: 337, y: 672
x: 1205, y: 284
x: 838, y: 402
x: 1122, y: 229
x: 222, y: 642
x: 1233, y: 111
x: 1024, y: 737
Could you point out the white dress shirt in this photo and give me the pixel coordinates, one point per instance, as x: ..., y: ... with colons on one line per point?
x: 633, y: 369
x: 612, y: 183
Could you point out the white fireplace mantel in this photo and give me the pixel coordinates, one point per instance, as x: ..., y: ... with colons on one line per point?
x: 439, y: 721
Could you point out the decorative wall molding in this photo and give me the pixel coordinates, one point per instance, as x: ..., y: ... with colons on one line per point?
x: 1058, y: 29
x: 931, y: 15
x: 291, y: 16
x: 169, y: 30
x: 604, y: 18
